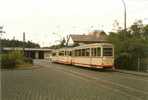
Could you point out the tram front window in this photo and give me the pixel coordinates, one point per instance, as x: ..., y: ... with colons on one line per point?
x: 107, y: 51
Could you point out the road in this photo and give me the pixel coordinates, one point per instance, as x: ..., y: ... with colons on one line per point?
x: 66, y: 82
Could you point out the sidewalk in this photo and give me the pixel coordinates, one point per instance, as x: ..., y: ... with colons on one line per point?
x: 133, y: 72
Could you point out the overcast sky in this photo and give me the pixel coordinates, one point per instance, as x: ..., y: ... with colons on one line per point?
x: 41, y: 18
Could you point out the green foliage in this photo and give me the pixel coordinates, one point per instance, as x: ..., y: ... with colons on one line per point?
x: 7, y: 61
x: 11, y: 59
x: 28, y: 60
x: 16, y: 43
x: 130, y: 46
x: 62, y: 42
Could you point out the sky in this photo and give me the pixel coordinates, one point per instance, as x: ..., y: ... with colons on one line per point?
x: 47, y: 21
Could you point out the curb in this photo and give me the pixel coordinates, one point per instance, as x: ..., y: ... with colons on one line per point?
x: 133, y: 72
x: 29, y: 68
x: 23, y: 68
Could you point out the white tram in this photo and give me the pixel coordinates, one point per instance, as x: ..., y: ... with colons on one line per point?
x: 97, y: 55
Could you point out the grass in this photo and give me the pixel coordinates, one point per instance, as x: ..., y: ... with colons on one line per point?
x: 26, y: 65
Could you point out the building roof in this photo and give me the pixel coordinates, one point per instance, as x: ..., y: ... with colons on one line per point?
x: 26, y: 49
x: 88, y: 38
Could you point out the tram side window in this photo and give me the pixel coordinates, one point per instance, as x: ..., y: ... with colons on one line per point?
x: 93, y: 51
x: 61, y: 53
x: 53, y: 54
x: 87, y: 51
x: 65, y: 53
x: 83, y: 52
x: 98, y: 51
x: 74, y: 52
x: 79, y: 52
x: 70, y: 53
x: 107, y: 51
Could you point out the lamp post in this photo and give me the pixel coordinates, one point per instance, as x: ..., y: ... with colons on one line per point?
x: 124, y: 14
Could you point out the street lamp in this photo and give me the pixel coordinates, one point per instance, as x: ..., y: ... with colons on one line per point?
x: 124, y: 14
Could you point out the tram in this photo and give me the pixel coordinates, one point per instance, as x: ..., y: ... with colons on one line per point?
x: 96, y: 55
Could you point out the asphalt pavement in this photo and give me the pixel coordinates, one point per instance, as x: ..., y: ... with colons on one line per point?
x: 66, y: 82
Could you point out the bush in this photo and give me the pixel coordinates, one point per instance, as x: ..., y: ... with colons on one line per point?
x: 124, y: 61
x: 7, y: 62
x: 28, y: 60
x: 11, y: 59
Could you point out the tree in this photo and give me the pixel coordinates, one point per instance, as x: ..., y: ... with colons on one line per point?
x: 136, y: 28
x: 130, y: 46
x: 62, y: 44
x: 16, y: 43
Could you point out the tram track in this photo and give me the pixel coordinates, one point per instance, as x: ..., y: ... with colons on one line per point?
x: 106, y: 83
x: 113, y: 74
x: 110, y: 74
x: 105, y: 80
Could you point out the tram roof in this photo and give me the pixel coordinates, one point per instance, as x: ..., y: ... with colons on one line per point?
x: 88, y: 38
x: 93, y: 45
x: 26, y: 49
x: 84, y: 46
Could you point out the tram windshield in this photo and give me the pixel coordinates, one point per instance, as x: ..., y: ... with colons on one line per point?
x: 107, y: 51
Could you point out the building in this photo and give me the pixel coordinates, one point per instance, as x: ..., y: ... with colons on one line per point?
x: 92, y: 37
x: 34, y: 53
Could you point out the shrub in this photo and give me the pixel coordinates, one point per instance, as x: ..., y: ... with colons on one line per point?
x: 7, y: 61
x: 11, y: 59
x: 28, y: 60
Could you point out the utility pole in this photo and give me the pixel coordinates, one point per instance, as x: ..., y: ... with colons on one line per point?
x: 24, y: 43
x: 124, y: 5
x: 24, y: 37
